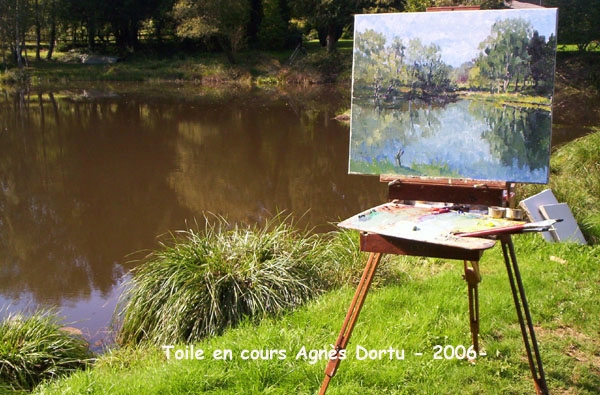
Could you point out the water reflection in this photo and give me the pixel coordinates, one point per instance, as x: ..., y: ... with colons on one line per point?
x: 88, y: 177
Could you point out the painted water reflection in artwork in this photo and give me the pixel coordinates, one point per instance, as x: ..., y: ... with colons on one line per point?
x: 464, y: 139
x: 463, y: 94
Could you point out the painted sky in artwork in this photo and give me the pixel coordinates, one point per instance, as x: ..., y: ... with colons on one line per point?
x: 462, y: 30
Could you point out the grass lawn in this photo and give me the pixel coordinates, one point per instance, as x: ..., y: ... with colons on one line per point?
x: 426, y: 306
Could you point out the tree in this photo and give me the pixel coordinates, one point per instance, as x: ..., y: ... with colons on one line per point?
x: 46, y: 15
x: 14, y: 22
x: 329, y: 17
x: 52, y: 20
x: 577, y: 22
x: 418, y: 5
x: 226, y: 20
x: 4, y: 29
x: 273, y: 33
x: 85, y: 13
x: 541, y: 61
x: 383, y: 6
x: 125, y: 19
x: 160, y: 19
x: 255, y: 20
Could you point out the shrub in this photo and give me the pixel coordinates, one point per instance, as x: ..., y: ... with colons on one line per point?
x: 198, y: 284
x: 35, y: 348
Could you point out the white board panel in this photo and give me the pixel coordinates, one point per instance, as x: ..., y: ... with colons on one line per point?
x: 567, y: 230
x: 532, y: 204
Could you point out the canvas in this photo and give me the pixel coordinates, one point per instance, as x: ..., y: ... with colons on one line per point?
x: 457, y: 94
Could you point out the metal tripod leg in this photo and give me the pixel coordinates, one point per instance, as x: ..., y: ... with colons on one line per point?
x: 514, y: 276
x: 351, y: 317
x: 473, y: 278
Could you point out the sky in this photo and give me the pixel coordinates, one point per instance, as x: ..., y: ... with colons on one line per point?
x: 458, y: 33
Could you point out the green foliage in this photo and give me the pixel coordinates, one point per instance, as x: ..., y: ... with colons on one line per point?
x: 35, y: 348
x: 15, y: 77
x: 199, y: 284
x: 328, y: 17
x: 325, y: 67
x: 418, y: 5
x: 577, y: 22
x: 345, y: 261
x: 224, y: 19
x: 575, y: 179
x: 421, y: 5
x: 274, y: 31
x: 383, y: 6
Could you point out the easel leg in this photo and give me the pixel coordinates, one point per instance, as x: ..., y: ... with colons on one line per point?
x: 514, y: 276
x: 473, y: 278
x: 351, y: 317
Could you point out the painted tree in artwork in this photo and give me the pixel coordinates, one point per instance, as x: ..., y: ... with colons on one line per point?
x: 369, y: 47
x: 385, y: 69
x: 504, y: 58
x: 428, y: 71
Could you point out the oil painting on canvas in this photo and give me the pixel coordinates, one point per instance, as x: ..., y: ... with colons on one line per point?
x: 457, y: 94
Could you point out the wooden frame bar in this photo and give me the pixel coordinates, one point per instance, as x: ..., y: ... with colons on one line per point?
x: 488, y: 193
x: 371, y: 242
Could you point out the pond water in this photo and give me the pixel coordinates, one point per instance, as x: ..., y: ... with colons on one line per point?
x: 90, y: 178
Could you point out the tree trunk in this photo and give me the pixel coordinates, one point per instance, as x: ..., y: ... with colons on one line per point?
x: 91, y: 32
x: 38, y: 31
x: 18, y: 54
x: 133, y: 32
x: 226, y: 48
x: 52, y: 39
x: 331, y: 39
x: 38, y: 41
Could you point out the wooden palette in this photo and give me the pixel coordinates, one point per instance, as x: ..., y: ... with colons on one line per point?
x: 430, y: 225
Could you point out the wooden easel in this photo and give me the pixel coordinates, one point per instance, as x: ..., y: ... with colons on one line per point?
x: 444, y: 190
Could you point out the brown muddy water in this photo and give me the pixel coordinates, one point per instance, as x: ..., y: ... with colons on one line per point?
x: 90, y: 177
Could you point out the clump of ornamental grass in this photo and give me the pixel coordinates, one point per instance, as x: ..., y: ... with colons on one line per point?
x: 199, y: 283
x: 36, y: 348
x: 343, y: 260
